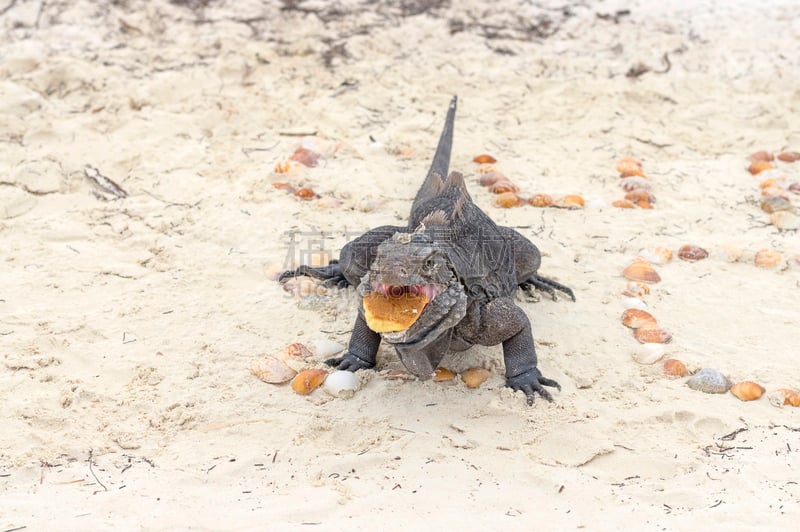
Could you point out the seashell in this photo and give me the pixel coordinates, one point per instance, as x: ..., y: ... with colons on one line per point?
x: 540, y: 200
x: 632, y: 302
x: 474, y: 377
x: 785, y: 220
x: 644, y: 204
x: 640, y: 194
x: 675, y: 368
x: 272, y: 370
x: 305, y: 193
x: 634, y: 183
x: 484, y: 158
x: 776, y: 203
x: 282, y: 185
x: 487, y: 180
x: 656, y: 254
x: 652, y: 335
x: 761, y: 155
x: 326, y: 348
x: 503, y: 186
x: 789, y: 156
x: 790, y: 397
x: 285, y: 167
x: 293, y: 351
x: 692, y: 253
x: 759, y: 166
x: 636, y: 289
x: 794, y: 187
x: 399, y: 374
x: 305, y: 156
x: 772, y: 182
x: 623, y: 204
x: 709, y: 380
x: 773, y: 192
x: 328, y: 202
x: 628, y: 166
x: 766, y: 258
x: 342, y: 384
x: 596, y: 203
x: 747, y: 390
x: 773, y: 173
x: 636, y: 318
x: 570, y: 201
x: 507, y: 200
x: 368, y: 204
x: 443, y: 374
x: 641, y: 270
x: 309, y: 380
x: 648, y: 353
x: 731, y: 253
x: 486, y: 168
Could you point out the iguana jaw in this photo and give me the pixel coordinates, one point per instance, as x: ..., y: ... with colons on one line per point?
x: 429, y: 290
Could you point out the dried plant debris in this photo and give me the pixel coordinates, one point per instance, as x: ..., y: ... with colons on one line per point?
x: 105, y: 184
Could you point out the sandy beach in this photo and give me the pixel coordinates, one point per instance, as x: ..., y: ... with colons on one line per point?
x: 130, y: 316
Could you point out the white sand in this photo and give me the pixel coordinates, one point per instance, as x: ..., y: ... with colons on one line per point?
x: 128, y: 325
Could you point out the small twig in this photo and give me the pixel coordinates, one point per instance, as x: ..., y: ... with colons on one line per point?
x: 92, y: 471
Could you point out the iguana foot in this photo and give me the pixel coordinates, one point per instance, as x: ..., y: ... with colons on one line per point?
x: 349, y: 362
x: 330, y: 275
x: 531, y: 383
x: 546, y: 285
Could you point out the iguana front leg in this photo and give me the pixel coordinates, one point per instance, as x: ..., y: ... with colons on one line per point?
x: 502, y: 321
x: 361, y: 350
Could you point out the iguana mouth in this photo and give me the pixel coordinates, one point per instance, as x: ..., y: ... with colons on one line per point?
x: 395, y: 308
x: 430, y: 290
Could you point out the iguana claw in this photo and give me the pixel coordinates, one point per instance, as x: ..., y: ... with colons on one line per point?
x: 531, y: 383
x: 349, y: 362
x: 330, y: 275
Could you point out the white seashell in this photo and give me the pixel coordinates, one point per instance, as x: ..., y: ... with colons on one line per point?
x: 785, y: 220
x: 656, y: 254
x: 635, y: 183
x: 632, y: 302
x: 709, y: 380
x: 272, y: 370
x: 326, y: 348
x: 649, y: 353
x: 597, y: 203
x: 773, y: 173
x: 342, y: 384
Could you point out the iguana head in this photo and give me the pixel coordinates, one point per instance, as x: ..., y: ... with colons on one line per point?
x: 411, y: 289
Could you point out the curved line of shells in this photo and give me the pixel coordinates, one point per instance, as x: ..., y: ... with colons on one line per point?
x: 652, y: 336
x: 776, y: 193
x: 294, y: 363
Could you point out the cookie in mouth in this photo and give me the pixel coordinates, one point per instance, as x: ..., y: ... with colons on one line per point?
x: 395, y: 308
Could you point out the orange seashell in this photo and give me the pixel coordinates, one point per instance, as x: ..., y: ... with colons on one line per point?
x: 282, y: 185
x: 487, y: 168
x: 507, y: 200
x: 487, y: 180
x: 309, y: 380
x: 623, y: 204
x: 761, y: 155
x: 766, y: 258
x: 443, y: 374
x: 759, y: 166
x: 790, y: 397
x: 652, y: 335
x: 305, y: 193
x: 640, y: 194
x: 484, y: 158
x: 641, y: 270
x: 692, y: 253
x: 570, y: 201
x: 789, y: 156
x: 636, y: 318
x: 656, y: 254
x: 503, y: 186
x: 644, y: 204
x: 771, y: 182
x: 474, y: 377
x: 773, y: 192
x: 284, y: 167
x: 675, y: 368
x: 305, y: 157
x: 540, y: 200
x: 628, y: 166
x: 636, y: 289
x: 747, y: 390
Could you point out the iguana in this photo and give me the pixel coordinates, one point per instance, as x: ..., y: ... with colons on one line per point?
x: 460, y: 264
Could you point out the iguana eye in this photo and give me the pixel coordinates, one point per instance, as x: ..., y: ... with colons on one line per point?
x: 429, y: 264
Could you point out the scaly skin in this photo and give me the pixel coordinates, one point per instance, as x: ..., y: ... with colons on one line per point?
x: 450, y: 250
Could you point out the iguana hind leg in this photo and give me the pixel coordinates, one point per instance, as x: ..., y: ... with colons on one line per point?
x: 527, y: 259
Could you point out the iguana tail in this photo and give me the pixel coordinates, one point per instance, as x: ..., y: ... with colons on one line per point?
x: 441, y: 159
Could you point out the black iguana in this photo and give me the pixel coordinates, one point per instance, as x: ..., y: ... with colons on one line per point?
x: 465, y: 266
